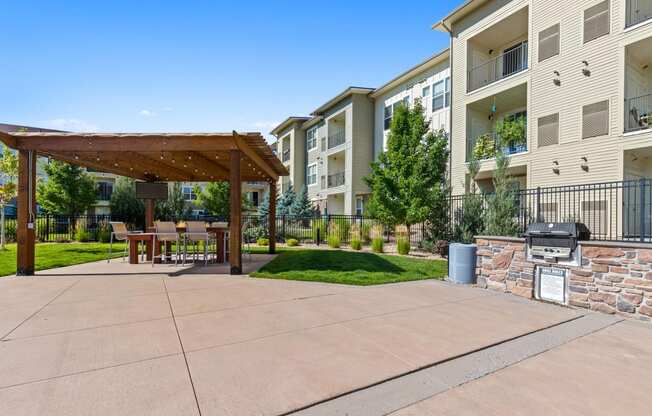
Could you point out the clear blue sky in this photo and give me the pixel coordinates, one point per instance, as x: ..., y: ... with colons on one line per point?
x: 200, y: 65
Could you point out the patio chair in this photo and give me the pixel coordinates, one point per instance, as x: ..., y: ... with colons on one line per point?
x: 165, y: 232
x: 119, y: 232
x: 195, y: 233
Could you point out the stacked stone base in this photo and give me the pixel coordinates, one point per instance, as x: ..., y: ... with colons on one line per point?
x: 614, y: 278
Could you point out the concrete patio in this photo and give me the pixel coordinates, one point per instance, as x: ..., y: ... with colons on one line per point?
x: 108, y: 339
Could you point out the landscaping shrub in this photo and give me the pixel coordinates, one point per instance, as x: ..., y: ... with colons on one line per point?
x: 103, y: 233
x: 254, y: 233
x: 365, y: 231
x: 340, y: 227
x: 377, y: 244
x: 334, y: 238
x: 355, y: 235
x: 83, y: 236
x: 262, y: 241
x: 356, y: 244
x: 403, y: 246
x: 292, y: 242
x: 334, y: 241
x: 318, y: 224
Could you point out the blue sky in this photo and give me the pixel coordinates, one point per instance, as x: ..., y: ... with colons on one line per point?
x: 199, y: 66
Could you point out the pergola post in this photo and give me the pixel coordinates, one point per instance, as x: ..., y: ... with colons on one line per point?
x: 272, y: 218
x: 235, y: 233
x: 26, y: 213
x: 149, y: 213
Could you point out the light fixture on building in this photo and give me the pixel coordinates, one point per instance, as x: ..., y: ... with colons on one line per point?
x: 555, y: 167
x: 585, y: 164
x: 585, y: 70
x: 557, y: 79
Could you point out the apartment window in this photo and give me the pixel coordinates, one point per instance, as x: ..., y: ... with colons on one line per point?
x: 548, y: 131
x: 189, y: 193
x: 595, y: 119
x: 359, y: 205
x: 441, y: 95
x: 391, y: 109
x: 425, y: 92
x: 549, y: 42
x: 311, y: 174
x: 311, y: 140
x: 596, y: 21
x: 104, y: 191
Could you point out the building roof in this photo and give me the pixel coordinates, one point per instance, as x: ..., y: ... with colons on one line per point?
x: 461, y: 11
x: 311, y: 122
x: 339, y: 97
x: 287, y: 123
x: 8, y: 128
x: 434, y: 60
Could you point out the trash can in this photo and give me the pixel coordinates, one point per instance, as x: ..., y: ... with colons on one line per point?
x: 461, y: 263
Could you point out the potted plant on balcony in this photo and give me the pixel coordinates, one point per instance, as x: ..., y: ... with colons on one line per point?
x: 511, y: 133
x: 485, y: 147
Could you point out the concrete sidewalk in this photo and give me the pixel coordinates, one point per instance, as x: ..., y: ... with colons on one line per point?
x: 165, y: 341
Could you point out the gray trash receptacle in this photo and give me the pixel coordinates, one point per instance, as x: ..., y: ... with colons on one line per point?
x: 461, y: 263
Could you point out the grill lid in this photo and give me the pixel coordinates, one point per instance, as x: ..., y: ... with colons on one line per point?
x: 574, y: 230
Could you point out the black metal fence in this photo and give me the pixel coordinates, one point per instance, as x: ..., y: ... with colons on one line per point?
x: 62, y: 228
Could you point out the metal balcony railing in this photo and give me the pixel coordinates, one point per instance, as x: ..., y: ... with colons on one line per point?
x: 638, y: 11
x: 638, y: 111
x: 336, y: 179
x: 509, y: 63
x: 336, y: 139
x: 489, y: 153
x: 286, y: 155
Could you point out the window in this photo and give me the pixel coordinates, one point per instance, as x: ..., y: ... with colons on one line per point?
x: 425, y: 92
x: 189, y: 193
x: 311, y: 174
x: 441, y: 95
x: 104, y: 191
x: 548, y: 132
x: 312, y: 138
x: 549, y: 42
x: 595, y: 119
x: 596, y: 21
x: 390, y: 109
x: 359, y: 205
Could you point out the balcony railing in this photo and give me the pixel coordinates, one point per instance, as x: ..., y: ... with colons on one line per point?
x: 336, y: 179
x: 286, y: 155
x: 336, y: 139
x: 638, y: 111
x: 504, y: 65
x: 638, y: 11
x: 490, y: 150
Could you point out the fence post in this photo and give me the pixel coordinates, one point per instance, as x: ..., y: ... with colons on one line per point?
x: 641, y: 213
x: 539, y: 218
x: 283, y: 227
x: 47, y: 227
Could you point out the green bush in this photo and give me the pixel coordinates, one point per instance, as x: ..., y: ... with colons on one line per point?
x: 292, y: 242
x: 318, y: 224
x: 403, y: 246
x: 103, y: 233
x: 334, y: 241
x: 365, y: 231
x: 377, y: 245
x: 356, y: 244
x: 83, y: 236
x: 254, y: 233
x: 262, y: 241
x: 340, y: 227
x: 10, y: 231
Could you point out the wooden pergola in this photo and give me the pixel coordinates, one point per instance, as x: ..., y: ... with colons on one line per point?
x: 151, y: 157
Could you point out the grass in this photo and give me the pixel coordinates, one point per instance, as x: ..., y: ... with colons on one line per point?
x: 351, y: 268
x: 52, y: 255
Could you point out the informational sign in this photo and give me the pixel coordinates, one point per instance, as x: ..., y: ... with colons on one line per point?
x: 151, y: 190
x: 552, y: 284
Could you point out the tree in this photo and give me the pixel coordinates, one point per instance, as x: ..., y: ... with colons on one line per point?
x: 68, y: 190
x: 263, y: 208
x: 8, y: 175
x: 175, y: 208
x: 408, y: 182
x: 470, y: 217
x: 124, y: 204
x: 215, y: 199
x: 285, y: 202
x: 302, y: 206
x: 502, y: 205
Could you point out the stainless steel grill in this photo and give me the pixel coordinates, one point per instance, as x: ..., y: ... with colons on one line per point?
x: 553, y: 241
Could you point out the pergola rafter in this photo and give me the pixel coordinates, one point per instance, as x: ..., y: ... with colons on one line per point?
x: 183, y: 157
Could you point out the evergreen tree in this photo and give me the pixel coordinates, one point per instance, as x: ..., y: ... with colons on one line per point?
x: 124, y: 204
x: 263, y: 207
x: 285, y: 202
x: 68, y: 190
x: 502, y: 205
x: 408, y: 182
x: 302, y: 206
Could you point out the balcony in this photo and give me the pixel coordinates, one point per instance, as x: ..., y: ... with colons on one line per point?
x: 512, y: 61
x: 286, y: 155
x: 639, y: 113
x: 336, y: 139
x: 336, y: 179
x: 489, y: 146
x: 638, y: 86
x: 638, y: 11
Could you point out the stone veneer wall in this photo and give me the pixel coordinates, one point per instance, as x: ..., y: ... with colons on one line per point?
x: 614, y: 278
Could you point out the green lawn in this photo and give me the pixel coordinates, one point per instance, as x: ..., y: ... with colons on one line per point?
x: 51, y: 255
x: 346, y: 267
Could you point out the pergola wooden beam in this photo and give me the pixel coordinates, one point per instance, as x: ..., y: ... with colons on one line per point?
x: 251, y: 154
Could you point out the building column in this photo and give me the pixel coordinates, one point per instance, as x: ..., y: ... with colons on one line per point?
x: 26, y: 213
x: 235, y: 229
x: 149, y: 213
x: 272, y: 218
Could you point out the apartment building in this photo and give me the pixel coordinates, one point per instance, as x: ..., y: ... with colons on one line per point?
x: 580, y: 74
x: 428, y: 82
x: 254, y: 191
x: 330, y: 152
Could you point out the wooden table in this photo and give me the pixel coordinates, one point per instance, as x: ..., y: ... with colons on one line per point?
x: 134, y: 242
x: 217, y: 232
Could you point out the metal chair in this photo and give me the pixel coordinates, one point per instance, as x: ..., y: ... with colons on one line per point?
x: 166, y: 232
x: 195, y: 233
x: 119, y: 232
